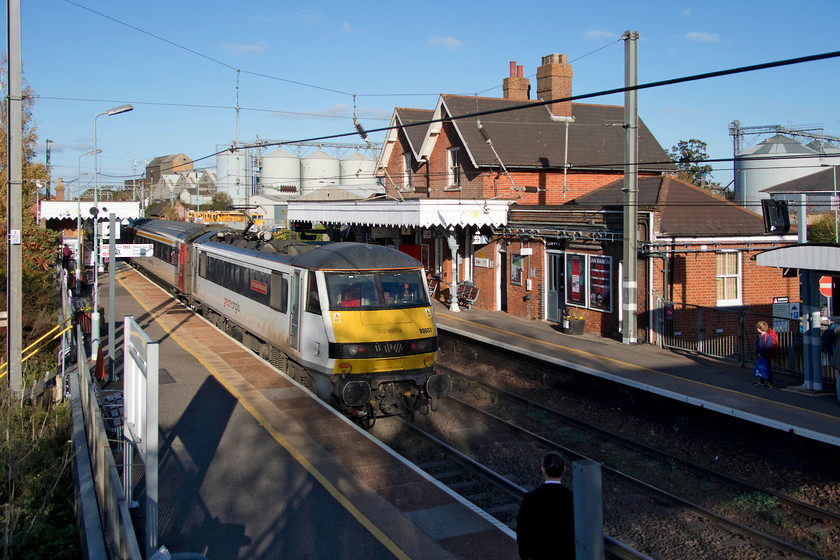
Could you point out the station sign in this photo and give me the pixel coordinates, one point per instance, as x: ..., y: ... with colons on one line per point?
x: 127, y: 250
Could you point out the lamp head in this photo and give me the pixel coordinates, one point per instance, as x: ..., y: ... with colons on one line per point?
x: 121, y: 109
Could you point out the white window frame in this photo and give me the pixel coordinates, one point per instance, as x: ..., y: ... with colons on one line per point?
x: 738, y: 276
x: 407, y: 159
x: 453, y: 165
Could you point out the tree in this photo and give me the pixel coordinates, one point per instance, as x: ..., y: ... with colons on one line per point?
x: 689, y: 157
x: 39, y: 246
x: 822, y: 230
x: 220, y: 201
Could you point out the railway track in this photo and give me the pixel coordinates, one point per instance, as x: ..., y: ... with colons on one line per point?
x: 493, y: 493
x: 650, y: 484
x: 671, y: 461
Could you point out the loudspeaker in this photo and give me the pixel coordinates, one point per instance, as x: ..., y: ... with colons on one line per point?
x: 776, y: 217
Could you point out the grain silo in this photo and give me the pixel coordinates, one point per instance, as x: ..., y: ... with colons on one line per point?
x: 775, y: 160
x: 358, y: 169
x: 280, y: 173
x: 233, y: 175
x: 318, y: 170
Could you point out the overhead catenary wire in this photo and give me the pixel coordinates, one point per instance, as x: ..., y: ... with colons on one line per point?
x: 661, y: 83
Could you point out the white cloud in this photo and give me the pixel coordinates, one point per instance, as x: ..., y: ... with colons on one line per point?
x: 600, y: 35
x: 307, y: 17
x: 243, y: 48
x: 702, y: 37
x: 686, y: 12
x: 345, y: 26
x: 449, y: 43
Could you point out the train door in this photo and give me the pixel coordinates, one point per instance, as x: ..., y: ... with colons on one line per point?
x: 181, y: 264
x: 294, y: 316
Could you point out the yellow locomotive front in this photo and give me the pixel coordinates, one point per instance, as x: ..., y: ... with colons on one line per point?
x: 384, y: 342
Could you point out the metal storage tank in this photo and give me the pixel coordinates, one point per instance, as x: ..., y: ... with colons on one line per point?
x: 318, y: 170
x: 829, y: 155
x: 773, y: 161
x: 280, y: 173
x: 358, y: 169
x: 233, y: 175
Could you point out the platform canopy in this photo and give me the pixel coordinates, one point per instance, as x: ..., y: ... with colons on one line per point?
x: 423, y: 213
x: 69, y: 209
x: 822, y: 258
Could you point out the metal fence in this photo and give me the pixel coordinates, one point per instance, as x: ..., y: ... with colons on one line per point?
x: 730, y: 334
x: 106, y: 526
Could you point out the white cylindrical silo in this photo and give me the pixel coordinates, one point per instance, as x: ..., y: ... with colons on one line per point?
x: 829, y: 155
x: 280, y: 173
x: 358, y: 169
x: 233, y: 175
x: 776, y: 160
x: 318, y: 170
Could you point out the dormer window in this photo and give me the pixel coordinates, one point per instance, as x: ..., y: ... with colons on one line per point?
x: 454, y: 166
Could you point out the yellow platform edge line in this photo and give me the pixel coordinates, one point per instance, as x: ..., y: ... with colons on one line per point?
x: 345, y: 502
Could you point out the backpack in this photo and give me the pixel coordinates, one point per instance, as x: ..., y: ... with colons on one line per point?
x: 774, y: 342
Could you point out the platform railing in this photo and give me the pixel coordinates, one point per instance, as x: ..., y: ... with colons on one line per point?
x: 730, y: 334
x: 98, y: 474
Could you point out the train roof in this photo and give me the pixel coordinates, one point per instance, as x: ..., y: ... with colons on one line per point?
x: 178, y: 231
x: 355, y: 256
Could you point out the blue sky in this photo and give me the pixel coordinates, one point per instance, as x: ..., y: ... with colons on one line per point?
x: 177, y: 62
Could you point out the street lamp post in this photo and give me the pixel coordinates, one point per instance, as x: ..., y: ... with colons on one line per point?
x: 94, y: 323
x: 79, y: 220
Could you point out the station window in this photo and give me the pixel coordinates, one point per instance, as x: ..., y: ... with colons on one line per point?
x: 728, y: 278
x: 407, y: 171
x: 454, y: 165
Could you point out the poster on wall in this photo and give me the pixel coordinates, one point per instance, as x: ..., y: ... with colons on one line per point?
x: 575, y: 279
x: 600, y: 282
x: 516, y: 269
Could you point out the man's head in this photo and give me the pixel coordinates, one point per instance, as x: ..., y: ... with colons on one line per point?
x: 553, y: 465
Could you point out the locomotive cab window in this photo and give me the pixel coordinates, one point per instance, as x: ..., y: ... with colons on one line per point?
x: 313, y: 302
x: 376, y: 290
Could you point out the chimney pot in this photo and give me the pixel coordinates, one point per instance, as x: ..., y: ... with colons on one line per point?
x: 512, y: 68
x: 519, y: 71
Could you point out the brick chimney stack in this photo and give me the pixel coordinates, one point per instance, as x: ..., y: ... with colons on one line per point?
x: 59, y: 189
x: 516, y: 87
x: 554, y: 81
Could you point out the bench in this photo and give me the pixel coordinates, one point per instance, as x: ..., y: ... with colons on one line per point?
x: 467, y: 293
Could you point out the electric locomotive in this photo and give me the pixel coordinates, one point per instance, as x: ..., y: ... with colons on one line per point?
x: 351, y: 321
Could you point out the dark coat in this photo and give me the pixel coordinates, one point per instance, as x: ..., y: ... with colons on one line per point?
x: 545, y: 526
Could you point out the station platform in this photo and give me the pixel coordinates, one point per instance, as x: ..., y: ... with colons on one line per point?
x: 715, y: 385
x: 254, y: 466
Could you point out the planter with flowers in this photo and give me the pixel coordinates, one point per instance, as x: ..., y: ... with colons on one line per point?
x: 573, y: 322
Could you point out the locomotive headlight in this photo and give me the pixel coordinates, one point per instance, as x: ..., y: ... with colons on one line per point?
x: 355, y: 350
x: 423, y: 345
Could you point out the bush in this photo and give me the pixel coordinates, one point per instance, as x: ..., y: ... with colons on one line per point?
x: 38, y: 503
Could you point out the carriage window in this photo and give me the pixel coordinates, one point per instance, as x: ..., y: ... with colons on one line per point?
x: 279, y: 292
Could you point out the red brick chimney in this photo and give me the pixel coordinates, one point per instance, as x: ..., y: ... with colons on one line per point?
x: 554, y: 81
x: 516, y: 87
